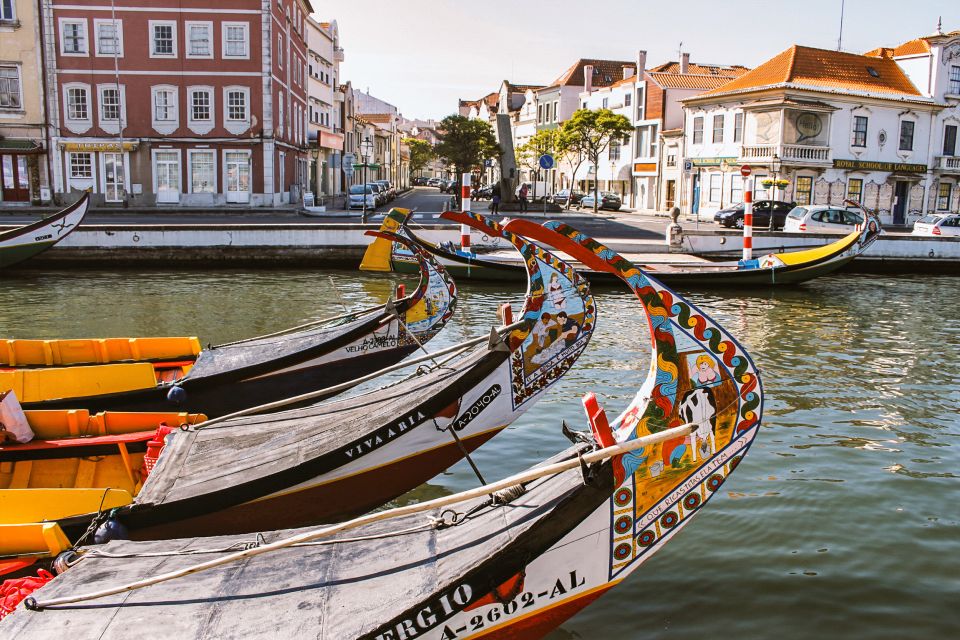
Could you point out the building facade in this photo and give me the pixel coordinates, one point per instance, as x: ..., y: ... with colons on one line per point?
x: 24, y: 164
x: 186, y: 103
x: 325, y: 107
x: 832, y: 125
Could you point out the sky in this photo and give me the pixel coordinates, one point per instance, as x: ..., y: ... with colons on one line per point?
x: 423, y: 55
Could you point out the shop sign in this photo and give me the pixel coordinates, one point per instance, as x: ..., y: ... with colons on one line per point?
x: 98, y: 146
x: 645, y: 167
x: 866, y: 165
x: 712, y: 162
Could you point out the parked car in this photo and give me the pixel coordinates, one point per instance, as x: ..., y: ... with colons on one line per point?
x: 359, y: 193
x: 732, y: 216
x: 822, y: 218
x: 609, y: 201
x: 560, y: 197
x: 389, y: 191
x: 450, y: 186
x: 419, y: 181
x: 938, y: 224
x: 434, y: 182
x: 536, y: 192
x: 381, y: 192
x: 482, y: 193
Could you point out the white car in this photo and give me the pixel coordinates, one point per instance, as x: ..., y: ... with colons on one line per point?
x: 821, y: 219
x: 362, y: 194
x: 938, y: 224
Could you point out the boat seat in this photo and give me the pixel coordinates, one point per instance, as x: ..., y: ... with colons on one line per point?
x: 67, y: 443
x: 24, y: 506
x: 36, y: 385
x: 25, y: 353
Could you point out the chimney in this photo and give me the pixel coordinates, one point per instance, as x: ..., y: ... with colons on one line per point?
x: 588, y: 78
x: 641, y: 63
x: 684, y: 62
x: 628, y: 70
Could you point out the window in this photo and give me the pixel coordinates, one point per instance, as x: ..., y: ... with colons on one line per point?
x: 737, y: 127
x: 626, y: 98
x: 803, y: 194
x: 641, y: 108
x: 539, y: 113
x: 109, y: 37
x: 716, y: 185
x: 164, y: 105
x: 280, y: 51
x: 855, y: 189
x: 81, y: 165
x: 201, y: 103
x: 944, y: 191
x: 950, y: 140
x: 199, y: 39
x: 7, y: 10
x: 163, y: 39
x: 613, y: 153
x: 736, y: 188
x: 236, y: 105
x: 73, y: 37
x: 280, y: 113
x: 10, y: 88
x: 110, y: 104
x: 906, y: 135
x: 717, y: 128
x: 859, y: 131
x: 698, y: 130
x: 606, y: 103
x: 955, y: 80
x: 78, y: 104
x: 672, y: 158
x: 203, y: 171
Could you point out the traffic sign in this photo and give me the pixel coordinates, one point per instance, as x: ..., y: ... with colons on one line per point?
x: 348, y: 170
x: 546, y: 161
x: 745, y: 170
x: 687, y: 166
x: 488, y: 162
x: 348, y: 158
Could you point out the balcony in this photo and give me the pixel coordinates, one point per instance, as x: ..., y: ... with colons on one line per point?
x: 948, y: 164
x: 788, y: 153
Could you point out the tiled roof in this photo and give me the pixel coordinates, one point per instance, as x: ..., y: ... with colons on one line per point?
x: 824, y: 69
x: 914, y: 47
x: 727, y: 71
x: 605, y: 73
x: 523, y: 88
x: 377, y: 117
x: 687, y: 80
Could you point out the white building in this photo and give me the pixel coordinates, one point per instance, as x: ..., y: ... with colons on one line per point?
x: 325, y: 108
x: 933, y: 64
x: 834, y: 125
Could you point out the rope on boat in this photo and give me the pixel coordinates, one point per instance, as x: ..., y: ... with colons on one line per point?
x: 325, y: 532
x: 333, y: 284
x: 457, y: 348
x: 306, y: 325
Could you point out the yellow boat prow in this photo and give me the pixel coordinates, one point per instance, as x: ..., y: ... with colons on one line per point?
x: 378, y: 253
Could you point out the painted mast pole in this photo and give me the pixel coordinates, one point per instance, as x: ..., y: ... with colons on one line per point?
x: 465, y: 182
x: 748, y: 219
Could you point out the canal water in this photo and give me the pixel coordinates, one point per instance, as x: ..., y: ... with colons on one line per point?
x: 842, y: 522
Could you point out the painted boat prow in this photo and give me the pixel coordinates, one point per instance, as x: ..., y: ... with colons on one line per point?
x: 18, y: 245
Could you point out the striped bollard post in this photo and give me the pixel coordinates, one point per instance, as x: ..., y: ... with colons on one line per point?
x: 465, y: 182
x: 748, y: 219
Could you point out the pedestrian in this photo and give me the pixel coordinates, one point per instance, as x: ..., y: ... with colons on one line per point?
x: 495, y: 201
x: 523, y: 198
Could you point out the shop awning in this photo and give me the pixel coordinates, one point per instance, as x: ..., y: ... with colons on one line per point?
x: 20, y: 147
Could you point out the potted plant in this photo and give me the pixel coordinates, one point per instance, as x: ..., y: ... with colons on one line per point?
x: 780, y: 183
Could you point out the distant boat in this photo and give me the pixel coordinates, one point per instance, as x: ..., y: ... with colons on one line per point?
x: 25, y: 242
x: 769, y: 269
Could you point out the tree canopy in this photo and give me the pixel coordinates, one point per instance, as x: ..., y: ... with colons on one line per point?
x: 591, y: 132
x: 421, y: 153
x: 465, y: 143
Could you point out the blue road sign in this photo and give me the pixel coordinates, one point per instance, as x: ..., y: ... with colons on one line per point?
x: 488, y: 162
x: 546, y: 161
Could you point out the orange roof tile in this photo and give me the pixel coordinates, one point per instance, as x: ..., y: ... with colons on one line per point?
x: 688, y: 80
x: 605, y: 73
x: 824, y: 69
x: 377, y: 117
x: 917, y: 46
x: 727, y: 71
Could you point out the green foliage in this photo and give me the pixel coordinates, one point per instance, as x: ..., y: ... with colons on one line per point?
x: 421, y: 153
x: 465, y: 143
x: 589, y: 132
x: 541, y: 143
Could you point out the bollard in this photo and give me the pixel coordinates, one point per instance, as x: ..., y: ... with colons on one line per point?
x: 465, y: 207
x: 748, y: 219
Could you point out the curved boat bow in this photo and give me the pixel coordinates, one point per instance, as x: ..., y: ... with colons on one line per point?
x: 25, y: 242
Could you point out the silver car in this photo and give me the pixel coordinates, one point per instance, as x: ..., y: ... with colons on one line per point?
x: 360, y: 193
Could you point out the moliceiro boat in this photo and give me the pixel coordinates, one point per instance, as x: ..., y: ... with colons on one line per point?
x: 18, y: 245
x: 512, y: 559
x: 771, y: 269
x: 175, y: 374
x: 348, y: 455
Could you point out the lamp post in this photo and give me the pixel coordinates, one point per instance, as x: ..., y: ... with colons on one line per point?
x: 775, y: 165
x: 366, y: 148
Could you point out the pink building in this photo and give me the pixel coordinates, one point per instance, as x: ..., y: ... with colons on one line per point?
x: 187, y: 103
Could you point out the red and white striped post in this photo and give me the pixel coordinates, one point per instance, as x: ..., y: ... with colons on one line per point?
x: 748, y: 218
x: 465, y: 183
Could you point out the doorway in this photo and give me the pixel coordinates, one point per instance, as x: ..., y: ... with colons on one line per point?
x: 671, y: 194
x: 237, y: 167
x: 113, y: 177
x: 166, y: 169
x: 900, y: 202
x: 16, y: 178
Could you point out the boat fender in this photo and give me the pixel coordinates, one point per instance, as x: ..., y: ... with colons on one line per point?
x: 177, y: 395
x: 505, y: 314
x: 401, y: 291
x: 112, y: 529
x: 598, y: 421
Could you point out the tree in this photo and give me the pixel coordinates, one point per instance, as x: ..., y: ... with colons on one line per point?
x: 541, y: 143
x: 593, y: 131
x: 421, y: 153
x: 465, y: 143
x: 570, y: 150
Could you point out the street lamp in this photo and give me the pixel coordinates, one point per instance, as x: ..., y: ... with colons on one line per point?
x: 366, y: 148
x: 775, y: 165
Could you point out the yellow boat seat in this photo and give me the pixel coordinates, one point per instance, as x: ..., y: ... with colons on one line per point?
x: 25, y: 353
x: 37, y: 538
x: 20, y: 506
x: 35, y: 385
